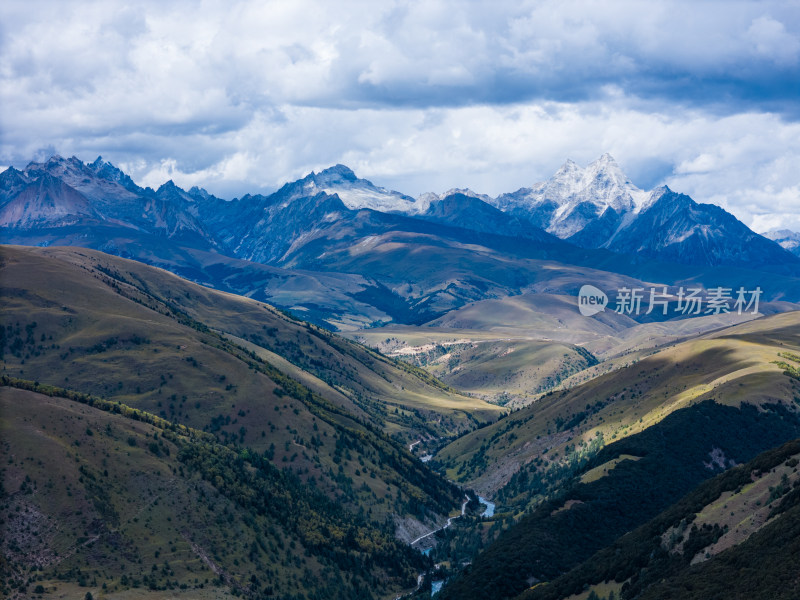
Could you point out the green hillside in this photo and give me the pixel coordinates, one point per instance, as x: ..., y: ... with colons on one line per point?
x: 577, y: 469
x: 103, y: 498
x: 510, y: 350
x: 362, y: 380
x: 206, y: 439
x: 582, y: 515
x: 116, y: 329
x: 735, y: 536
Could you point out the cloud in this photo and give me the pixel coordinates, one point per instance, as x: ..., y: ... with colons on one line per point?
x: 397, y: 54
x: 241, y: 96
x: 742, y: 162
x: 771, y: 41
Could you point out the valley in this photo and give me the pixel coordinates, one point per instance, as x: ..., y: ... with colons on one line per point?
x: 339, y: 391
x: 85, y: 325
x: 549, y: 346
x: 572, y: 480
x: 122, y: 338
x: 731, y: 366
x: 399, y: 300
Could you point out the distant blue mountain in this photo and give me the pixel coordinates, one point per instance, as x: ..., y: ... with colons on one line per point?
x: 365, y: 246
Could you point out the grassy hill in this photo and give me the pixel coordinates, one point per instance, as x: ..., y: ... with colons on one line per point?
x: 245, y: 399
x: 623, y: 486
x: 104, y: 498
x: 309, y: 401
x: 501, y: 367
x: 731, y: 366
x: 511, y: 350
x: 109, y: 300
x: 578, y: 469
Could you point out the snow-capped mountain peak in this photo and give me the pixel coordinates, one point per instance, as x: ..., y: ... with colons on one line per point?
x: 198, y: 192
x: 569, y: 170
x: 100, y: 181
x: 356, y: 193
x: 595, y: 206
x: 466, y: 192
x: 335, y: 174
x: 103, y: 169
x: 574, y: 197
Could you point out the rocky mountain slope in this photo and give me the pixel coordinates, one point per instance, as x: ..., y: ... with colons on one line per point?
x: 599, y: 207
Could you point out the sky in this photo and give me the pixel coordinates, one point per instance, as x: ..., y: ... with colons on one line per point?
x: 238, y: 97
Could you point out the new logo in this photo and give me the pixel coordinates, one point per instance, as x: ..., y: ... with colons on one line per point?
x: 591, y: 300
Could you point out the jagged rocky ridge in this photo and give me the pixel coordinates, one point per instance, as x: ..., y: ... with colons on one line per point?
x: 595, y: 207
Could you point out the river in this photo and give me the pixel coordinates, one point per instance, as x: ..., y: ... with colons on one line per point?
x: 489, y: 512
x: 436, y: 586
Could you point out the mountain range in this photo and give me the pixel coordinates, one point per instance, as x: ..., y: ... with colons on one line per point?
x: 595, y: 207
x: 348, y: 254
x: 598, y: 207
x: 169, y: 433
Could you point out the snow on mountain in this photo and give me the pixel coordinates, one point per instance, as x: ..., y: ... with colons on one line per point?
x: 599, y: 207
x: 575, y: 197
x: 356, y: 193
x: 106, y: 171
x: 66, y: 191
x: 675, y: 228
x: 424, y: 201
x: 468, y: 210
x: 99, y: 181
x: 788, y: 240
x: 198, y: 192
x: 592, y: 207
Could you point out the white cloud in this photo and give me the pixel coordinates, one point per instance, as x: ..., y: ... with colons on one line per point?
x: 771, y: 40
x: 418, y: 96
x: 745, y: 163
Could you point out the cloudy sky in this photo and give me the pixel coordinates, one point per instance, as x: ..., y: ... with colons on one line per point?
x: 416, y: 96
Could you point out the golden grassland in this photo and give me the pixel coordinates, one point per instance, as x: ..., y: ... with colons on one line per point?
x: 730, y: 366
